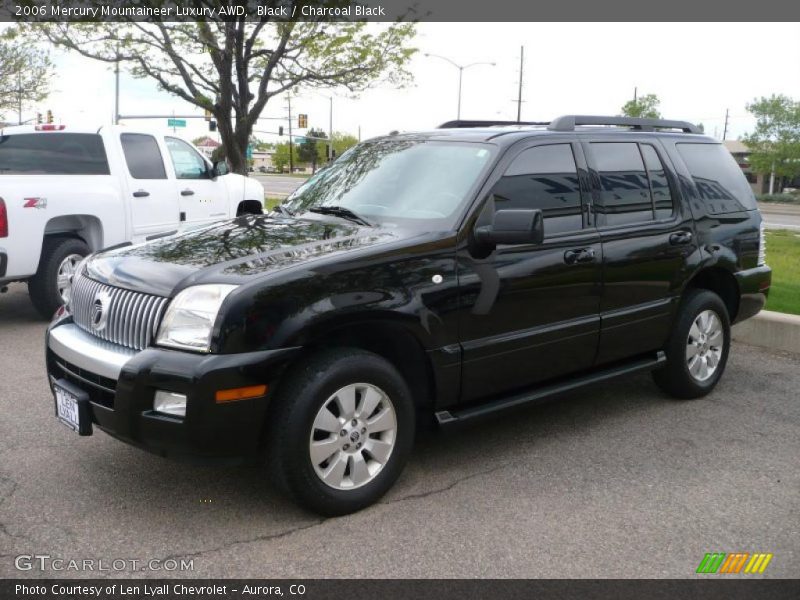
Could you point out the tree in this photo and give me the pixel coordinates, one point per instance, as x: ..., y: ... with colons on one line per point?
x: 644, y: 106
x: 775, y: 142
x: 309, y: 151
x: 280, y: 158
x: 234, y: 68
x: 342, y: 142
x: 25, y: 74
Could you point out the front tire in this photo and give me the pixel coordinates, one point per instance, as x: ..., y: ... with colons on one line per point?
x: 341, y: 430
x: 697, y: 351
x: 52, y: 285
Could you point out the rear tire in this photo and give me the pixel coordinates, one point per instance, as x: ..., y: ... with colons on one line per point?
x: 697, y: 351
x: 340, y: 432
x: 52, y: 284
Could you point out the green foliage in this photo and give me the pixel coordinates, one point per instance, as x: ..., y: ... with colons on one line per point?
x: 775, y: 142
x: 783, y: 255
x: 644, y: 106
x: 25, y: 73
x: 234, y: 68
x: 280, y: 159
x: 779, y: 198
x: 311, y: 150
x: 342, y: 142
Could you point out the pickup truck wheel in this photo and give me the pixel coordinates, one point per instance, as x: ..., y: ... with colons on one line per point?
x: 341, y: 431
x: 698, y: 348
x: 52, y: 284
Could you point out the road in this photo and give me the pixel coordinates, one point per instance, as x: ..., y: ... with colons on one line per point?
x: 616, y: 481
x: 781, y: 216
x: 278, y: 186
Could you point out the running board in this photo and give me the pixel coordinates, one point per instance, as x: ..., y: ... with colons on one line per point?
x: 451, y: 417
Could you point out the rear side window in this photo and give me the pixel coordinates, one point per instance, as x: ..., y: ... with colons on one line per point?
x: 53, y: 154
x: 544, y: 177
x: 659, y: 184
x: 624, y: 187
x: 720, y: 182
x: 143, y: 156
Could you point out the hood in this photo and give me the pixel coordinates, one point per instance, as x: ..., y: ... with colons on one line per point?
x: 244, y: 247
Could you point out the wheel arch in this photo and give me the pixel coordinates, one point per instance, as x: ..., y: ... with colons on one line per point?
x: 720, y: 281
x: 390, y: 340
x: 84, y: 227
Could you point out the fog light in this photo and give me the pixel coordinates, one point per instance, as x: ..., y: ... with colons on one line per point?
x: 170, y: 403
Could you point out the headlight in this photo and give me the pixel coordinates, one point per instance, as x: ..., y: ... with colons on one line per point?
x: 190, y: 317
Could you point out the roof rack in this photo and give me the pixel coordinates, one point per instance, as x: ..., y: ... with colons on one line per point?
x: 570, y: 122
x: 468, y: 124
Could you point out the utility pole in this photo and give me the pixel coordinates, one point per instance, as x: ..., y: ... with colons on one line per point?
x: 635, y: 94
x: 725, y: 130
x: 291, y: 151
x: 519, y: 92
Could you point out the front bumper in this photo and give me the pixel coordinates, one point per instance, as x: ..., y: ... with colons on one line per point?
x: 754, y: 287
x: 121, y: 384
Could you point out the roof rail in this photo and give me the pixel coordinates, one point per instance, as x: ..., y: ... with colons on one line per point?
x: 468, y: 124
x: 570, y: 122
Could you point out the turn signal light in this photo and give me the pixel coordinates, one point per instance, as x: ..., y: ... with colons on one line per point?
x: 242, y: 393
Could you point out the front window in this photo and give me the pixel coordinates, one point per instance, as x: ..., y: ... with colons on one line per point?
x: 398, y: 181
x: 187, y: 162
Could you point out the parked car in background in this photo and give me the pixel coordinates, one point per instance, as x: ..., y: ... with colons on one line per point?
x: 441, y: 275
x: 66, y: 192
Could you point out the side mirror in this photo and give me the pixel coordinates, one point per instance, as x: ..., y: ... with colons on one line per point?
x: 220, y: 168
x: 512, y: 227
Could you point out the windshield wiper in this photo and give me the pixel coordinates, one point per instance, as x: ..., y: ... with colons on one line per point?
x: 342, y: 212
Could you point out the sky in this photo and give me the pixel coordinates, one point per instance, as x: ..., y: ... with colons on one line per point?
x: 697, y: 70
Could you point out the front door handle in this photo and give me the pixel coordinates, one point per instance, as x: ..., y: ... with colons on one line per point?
x: 187, y: 192
x: 581, y: 255
x: 141, y: 194
x: 679, y: 238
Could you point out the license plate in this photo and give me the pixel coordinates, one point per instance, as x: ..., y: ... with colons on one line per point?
x: 72, y: 407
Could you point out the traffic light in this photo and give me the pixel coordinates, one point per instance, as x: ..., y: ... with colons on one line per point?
x: 280, y: 130
x: 208, y: 115
x: 49, y: 116
x: 38, y: 118
x: 212, y: 125
x: 302, y: 121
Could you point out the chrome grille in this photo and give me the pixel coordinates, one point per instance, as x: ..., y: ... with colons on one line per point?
x: 132, y: 316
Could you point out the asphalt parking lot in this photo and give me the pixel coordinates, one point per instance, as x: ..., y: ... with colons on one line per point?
x: 618, y: 481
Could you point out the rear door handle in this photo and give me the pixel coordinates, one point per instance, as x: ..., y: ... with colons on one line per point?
x: 581, y: 255
x: 187, y: 193
x: 680, y: 238
x: 141, y: 194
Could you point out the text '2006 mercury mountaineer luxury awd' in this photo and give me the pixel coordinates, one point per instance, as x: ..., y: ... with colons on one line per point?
x: 441, y: 275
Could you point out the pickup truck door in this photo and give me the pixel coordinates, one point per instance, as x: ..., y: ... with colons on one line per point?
x: 151, y: 194
x: 201, y: 198
x: 530, y: 312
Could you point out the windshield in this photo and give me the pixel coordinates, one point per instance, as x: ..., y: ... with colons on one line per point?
x: 403, y: 182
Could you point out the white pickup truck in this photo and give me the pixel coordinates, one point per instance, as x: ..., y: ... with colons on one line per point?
x: 65, y: 193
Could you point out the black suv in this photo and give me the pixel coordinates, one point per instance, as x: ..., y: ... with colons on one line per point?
x: 441, y: 275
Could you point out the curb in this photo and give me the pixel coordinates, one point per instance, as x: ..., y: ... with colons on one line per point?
x: 774, y: 330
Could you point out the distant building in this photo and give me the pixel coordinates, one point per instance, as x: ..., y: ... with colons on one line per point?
x: 207, y: 146
x: 262, y: 160
x: 758, y: 181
